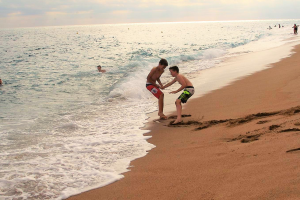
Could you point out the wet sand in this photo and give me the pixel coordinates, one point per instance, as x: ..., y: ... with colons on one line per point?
x: 238, y: 142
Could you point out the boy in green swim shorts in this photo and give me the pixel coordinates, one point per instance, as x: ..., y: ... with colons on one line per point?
x: 186, y: 86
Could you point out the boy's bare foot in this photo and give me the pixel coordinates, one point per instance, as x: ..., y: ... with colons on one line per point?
x: 177, y: 122
x: 162, y: 116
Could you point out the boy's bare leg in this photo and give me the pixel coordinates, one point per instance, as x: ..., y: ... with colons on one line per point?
x: 179, y: 110
x: 161, y: 107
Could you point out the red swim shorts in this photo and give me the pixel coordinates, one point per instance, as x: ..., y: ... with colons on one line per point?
x: 154, y: 90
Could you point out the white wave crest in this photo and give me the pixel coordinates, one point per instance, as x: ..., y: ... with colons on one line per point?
x: 213, y: 53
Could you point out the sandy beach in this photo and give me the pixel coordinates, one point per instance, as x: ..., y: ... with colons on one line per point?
x: 237, y: 142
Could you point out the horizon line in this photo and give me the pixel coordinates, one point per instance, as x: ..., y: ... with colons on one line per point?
x: 140, y: 23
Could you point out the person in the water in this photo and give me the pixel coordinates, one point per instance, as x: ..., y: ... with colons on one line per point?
x: 100, y: 70
x: 186, y: 86
x: 1, y: 82
x: 295, y: 29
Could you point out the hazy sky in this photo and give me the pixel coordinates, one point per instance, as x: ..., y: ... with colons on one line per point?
x: 29, y: 13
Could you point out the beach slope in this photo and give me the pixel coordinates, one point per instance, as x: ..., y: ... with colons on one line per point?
x: 238, y: 142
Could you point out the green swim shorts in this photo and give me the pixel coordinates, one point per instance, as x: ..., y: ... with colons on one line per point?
x: 186, y: 94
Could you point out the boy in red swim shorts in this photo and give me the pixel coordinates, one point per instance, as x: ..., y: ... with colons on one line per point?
x: 151, y: 85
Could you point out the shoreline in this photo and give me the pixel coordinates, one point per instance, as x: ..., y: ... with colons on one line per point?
x: 225, y: 73
x: 214, y: 163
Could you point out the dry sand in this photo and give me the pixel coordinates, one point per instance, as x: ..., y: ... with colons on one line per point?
x: 240, y: 142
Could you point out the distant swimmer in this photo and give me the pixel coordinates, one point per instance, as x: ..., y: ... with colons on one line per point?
x: 279, y: 25
x: 186, y: 86
x: 100, y: 70
x: 1, y: 82
x: 295, y: 27
x: 151, y: 85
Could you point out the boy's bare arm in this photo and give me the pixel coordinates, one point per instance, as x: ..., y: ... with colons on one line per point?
x: 181, y: 80
x: 169, y: 84
x: 158, y: 80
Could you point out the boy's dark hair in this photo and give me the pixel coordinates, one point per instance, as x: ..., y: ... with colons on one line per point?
x: 163, y: 62
x: 174, y: 68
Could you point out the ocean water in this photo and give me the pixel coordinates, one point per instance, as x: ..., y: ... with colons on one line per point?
x: 65, y: 128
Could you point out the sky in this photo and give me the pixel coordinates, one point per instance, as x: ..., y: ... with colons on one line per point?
x: 34, y: 13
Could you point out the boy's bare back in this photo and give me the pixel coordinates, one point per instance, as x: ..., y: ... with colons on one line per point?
x: 183, y: 80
